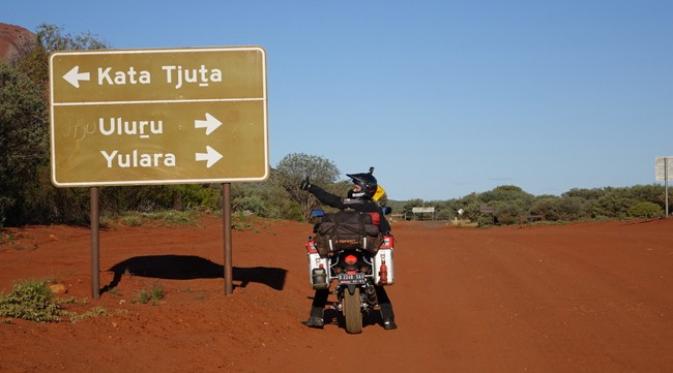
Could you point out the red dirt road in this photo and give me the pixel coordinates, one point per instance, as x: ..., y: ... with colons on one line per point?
x: 582, y: 297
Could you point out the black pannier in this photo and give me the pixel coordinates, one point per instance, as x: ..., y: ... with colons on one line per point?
x: 347, y: 229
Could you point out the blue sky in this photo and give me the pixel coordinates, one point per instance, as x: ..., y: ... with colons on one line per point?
x: 443, y: 98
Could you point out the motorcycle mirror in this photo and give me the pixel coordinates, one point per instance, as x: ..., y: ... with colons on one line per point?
x: 387, y: 210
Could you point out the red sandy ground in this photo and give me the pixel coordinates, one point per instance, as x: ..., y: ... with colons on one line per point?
x: 583, y: 297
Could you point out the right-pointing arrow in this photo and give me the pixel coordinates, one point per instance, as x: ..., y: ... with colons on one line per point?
x: 74, y: 76
x: 210, y: 124
x: 211, y: 156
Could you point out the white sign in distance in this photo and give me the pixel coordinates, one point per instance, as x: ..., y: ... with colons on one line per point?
x: 659, y: 168
x: 422, y: 210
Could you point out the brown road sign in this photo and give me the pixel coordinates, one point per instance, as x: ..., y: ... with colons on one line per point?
x: 133, y: 117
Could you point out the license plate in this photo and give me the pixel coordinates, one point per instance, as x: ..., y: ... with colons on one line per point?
x: 358, y: 278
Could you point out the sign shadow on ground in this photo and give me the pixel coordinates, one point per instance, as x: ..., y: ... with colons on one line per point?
x: 190, y: 267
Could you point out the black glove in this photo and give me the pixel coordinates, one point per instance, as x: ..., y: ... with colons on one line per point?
x: 305, y: 184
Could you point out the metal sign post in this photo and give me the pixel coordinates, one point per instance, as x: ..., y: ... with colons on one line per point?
x: 158, y: 116
x: 95, y: 244
x: 226, y: 221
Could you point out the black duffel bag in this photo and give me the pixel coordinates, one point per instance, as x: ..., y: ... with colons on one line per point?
x: 345, y: 230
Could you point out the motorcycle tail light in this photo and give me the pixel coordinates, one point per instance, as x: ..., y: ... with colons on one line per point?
x: 311, y: 247
x: 350, y: 259
x: 388, y: 242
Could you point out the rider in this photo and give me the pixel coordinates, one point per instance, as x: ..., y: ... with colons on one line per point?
x: 359, y: 199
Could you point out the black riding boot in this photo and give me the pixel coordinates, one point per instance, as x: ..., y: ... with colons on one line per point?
x: 387, y: 314
x: 316, y: 320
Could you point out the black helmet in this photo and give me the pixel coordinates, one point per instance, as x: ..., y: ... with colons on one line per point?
x: 367, y: 182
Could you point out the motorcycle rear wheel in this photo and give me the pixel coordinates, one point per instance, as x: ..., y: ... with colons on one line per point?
x: 352, y: 312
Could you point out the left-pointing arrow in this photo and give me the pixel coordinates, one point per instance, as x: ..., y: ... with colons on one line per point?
x: 211, y: 156
x: 74, y: 76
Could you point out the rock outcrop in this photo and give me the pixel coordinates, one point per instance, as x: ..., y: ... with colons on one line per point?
x: 13, y: 40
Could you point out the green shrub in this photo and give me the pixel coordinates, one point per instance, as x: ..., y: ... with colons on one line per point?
x: 252, y: 203
x: 168, y: 217
x: 172, y: 217
x: 510, y: 212
x: 572, y: 208
x: 153, y: 294
x: 445, y: 214
x: 196, y: 197
x: 506, y: 193
x: 547, y: 207
x: 90, y: 314
x: 646, y: 210
x: 23, y: 141
x: 240, y: 222
x: 485, y: 220
x: 30, y: 300
x: 132, y: 220
x: 26, y: 194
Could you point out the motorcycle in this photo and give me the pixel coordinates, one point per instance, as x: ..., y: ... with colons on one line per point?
x: 356, y: 271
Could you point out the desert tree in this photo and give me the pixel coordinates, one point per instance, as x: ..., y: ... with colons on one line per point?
x: 295, y: 167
